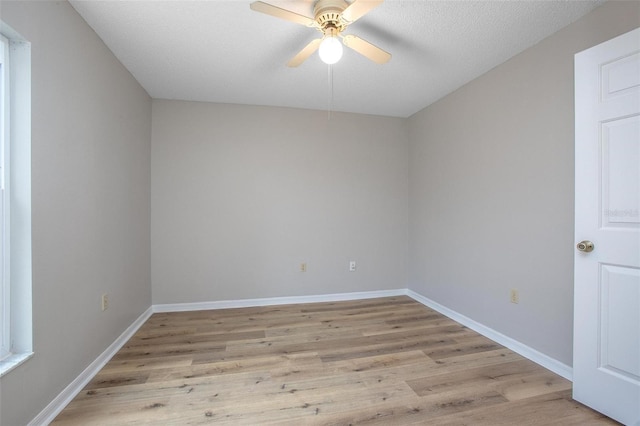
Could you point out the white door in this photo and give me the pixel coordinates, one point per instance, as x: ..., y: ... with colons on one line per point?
x: 606, y: 348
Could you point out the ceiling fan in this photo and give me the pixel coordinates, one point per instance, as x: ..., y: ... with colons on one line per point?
x: 331, y: 18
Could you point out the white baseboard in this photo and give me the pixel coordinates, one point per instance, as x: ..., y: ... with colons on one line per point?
x: 516, y: 346
x: 247, y: 303
x: 54, y: 408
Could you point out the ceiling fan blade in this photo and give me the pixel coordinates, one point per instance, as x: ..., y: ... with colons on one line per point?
x: 287, y: 15
x: 366, y: 49
x: 304, y: 53
x: 359, y: 8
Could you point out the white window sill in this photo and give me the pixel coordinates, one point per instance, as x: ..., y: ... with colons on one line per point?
x: 12, y: 361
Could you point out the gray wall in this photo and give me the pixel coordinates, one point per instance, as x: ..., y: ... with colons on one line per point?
x: 491, y: 189
x: 91, y: 134
x: 242, y: 195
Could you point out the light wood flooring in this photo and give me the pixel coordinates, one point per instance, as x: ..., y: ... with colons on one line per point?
x: 387, y: 361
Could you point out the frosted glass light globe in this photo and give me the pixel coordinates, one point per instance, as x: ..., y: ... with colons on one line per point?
x: 330, y: 50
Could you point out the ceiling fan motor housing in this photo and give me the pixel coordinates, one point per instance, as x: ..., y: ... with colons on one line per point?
x: 327, y: 14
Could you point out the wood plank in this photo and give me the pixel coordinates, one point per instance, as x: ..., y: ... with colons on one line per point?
x: 377, y: 361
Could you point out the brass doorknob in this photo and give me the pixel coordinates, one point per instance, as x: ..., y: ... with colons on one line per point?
x: 585, y: 246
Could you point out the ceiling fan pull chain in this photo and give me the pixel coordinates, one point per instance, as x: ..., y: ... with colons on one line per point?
x: 330, y: 90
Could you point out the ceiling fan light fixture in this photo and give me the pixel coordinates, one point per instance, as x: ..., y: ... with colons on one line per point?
x: 330, y: 50
x: 331, y: 18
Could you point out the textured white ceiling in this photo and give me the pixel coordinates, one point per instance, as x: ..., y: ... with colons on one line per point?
x: 221, y: 51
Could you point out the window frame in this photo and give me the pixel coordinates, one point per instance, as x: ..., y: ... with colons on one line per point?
x: 5, y: 287
x: 16, y: 329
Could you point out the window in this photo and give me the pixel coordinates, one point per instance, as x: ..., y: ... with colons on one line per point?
x: 5, y: 342
x: 15, y: 200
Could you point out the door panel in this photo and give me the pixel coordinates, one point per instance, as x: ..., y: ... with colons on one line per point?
x: 621, y: 172
x: 621, y: 76
x: 619, y: 320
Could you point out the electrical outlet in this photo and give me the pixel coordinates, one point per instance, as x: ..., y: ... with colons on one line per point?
x: 105, y: 301
x: 514, y: 296
x: 303, y: 267
x: 352, y: 266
